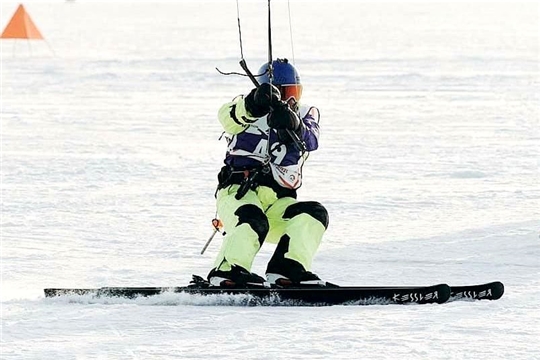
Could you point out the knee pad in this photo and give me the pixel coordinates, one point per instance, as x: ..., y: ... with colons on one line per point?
x: 312, y: 208
x: 255, y: 218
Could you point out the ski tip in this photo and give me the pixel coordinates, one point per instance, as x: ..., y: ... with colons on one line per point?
x: 498, y: 290
x: 487, y: 291
x: 493, y: 290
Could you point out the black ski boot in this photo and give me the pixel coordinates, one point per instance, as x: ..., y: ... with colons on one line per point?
x: 289, y: 273
x: 237, y: 277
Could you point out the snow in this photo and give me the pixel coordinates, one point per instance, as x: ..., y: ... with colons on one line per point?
x: 428, y: 166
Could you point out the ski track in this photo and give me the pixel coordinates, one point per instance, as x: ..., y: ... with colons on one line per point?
x: 428, y: 166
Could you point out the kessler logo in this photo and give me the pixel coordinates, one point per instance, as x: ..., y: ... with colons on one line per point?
x: 415, y: 297
x: 474, y: 294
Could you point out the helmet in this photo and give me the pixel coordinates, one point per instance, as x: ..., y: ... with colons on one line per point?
x: 285, y: 77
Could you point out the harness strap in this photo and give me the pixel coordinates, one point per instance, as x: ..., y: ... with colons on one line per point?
x: 250, y: 179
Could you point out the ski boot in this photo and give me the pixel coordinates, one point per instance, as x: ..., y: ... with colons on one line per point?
x: 237, y: 277
x: 291, y: 274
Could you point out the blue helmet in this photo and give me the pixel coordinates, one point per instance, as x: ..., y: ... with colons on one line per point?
x: 283, y: 74
x: 285, y: 77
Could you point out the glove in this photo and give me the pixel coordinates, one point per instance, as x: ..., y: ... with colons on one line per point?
x: 260, y: 99
x: 283, y: 118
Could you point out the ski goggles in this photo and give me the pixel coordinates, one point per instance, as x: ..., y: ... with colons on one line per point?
x: 290, y: 91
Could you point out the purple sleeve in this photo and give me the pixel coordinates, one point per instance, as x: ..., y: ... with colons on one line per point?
x: 310, y: 132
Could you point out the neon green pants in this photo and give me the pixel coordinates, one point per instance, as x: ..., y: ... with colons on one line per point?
x: 242, y: 243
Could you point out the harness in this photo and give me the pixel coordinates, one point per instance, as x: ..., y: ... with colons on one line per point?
x: 250, y: 179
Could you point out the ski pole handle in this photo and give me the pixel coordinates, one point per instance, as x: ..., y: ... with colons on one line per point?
x: 217, y: 224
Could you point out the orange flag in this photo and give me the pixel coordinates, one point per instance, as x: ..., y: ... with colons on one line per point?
x: 21, y: 26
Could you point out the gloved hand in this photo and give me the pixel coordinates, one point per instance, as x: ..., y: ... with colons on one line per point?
x: 283, y: 118
x: 260, y: 99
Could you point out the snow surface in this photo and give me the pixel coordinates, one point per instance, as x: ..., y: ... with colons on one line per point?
x: 428, y: 166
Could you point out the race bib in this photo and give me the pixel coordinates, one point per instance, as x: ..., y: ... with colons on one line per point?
x: 289, y: 177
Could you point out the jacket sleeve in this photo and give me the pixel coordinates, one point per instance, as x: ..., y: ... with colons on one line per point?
x: 234, y: 117
x: 310, y: 131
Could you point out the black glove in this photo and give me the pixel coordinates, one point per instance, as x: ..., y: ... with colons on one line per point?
x: 260, y: 99
x: 283, y: 118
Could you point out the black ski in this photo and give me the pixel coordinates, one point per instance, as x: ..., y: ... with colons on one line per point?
x: 488, y: 291
x: 288, y: 296
x: 309, y: 296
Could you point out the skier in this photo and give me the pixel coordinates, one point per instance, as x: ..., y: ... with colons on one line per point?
x: 256, y: 195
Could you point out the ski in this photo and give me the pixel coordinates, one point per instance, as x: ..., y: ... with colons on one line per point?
x: 309, y: 295
x: 288, y: 296
x: 488, y: 291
